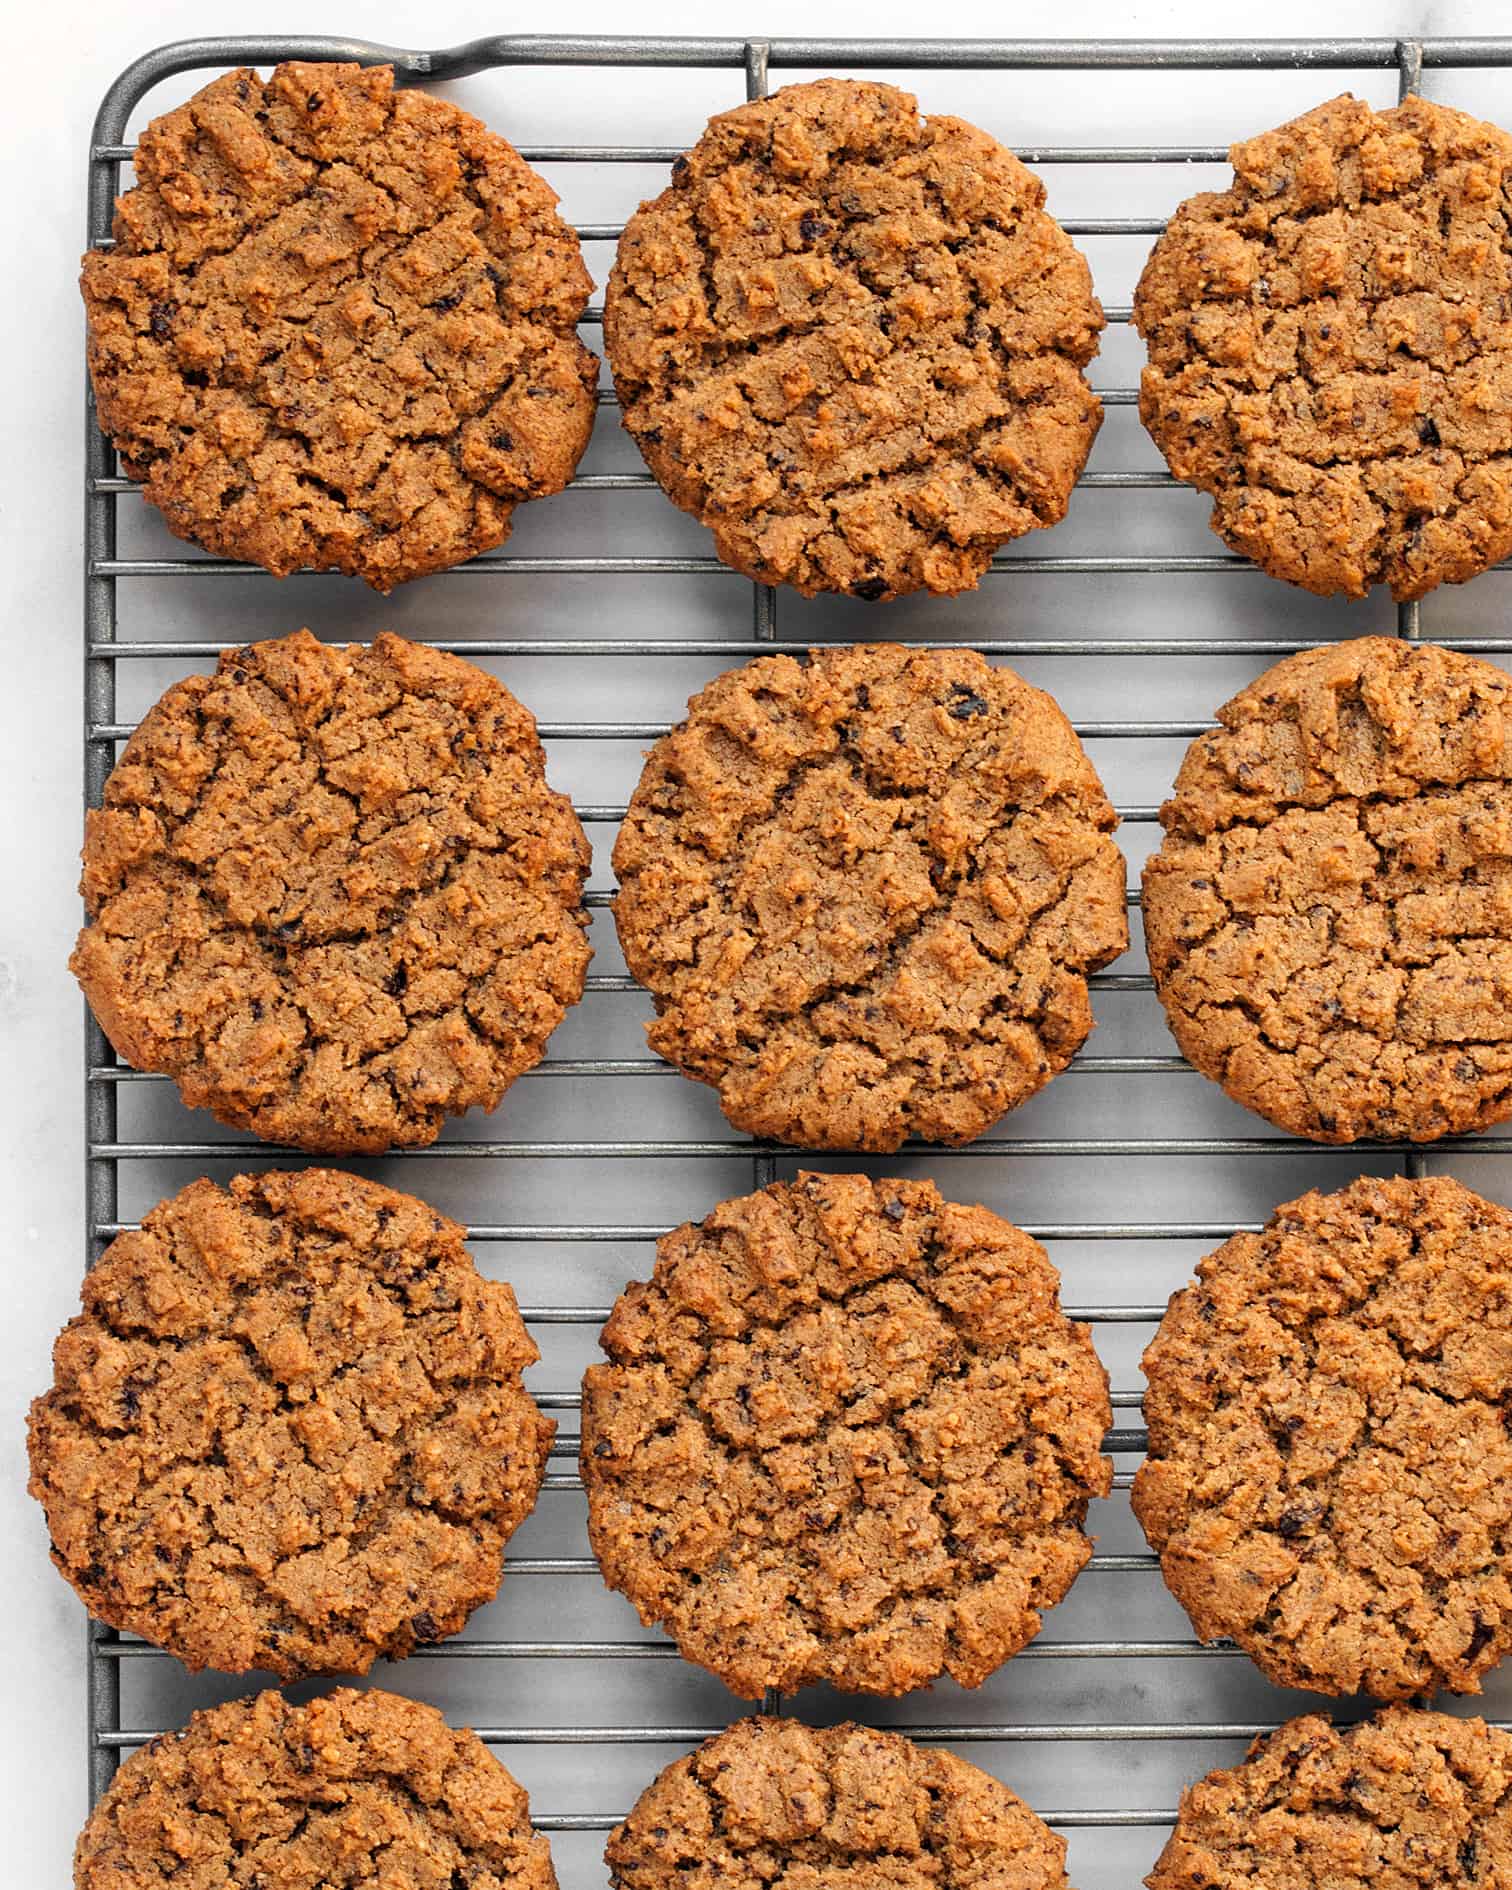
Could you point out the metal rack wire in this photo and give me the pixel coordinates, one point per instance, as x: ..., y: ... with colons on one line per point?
x: 118, y: 1156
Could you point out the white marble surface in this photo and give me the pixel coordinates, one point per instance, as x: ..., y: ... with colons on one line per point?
x: 59, y: 58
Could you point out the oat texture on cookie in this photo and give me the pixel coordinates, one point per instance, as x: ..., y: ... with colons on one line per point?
x: 850, y: 340
x: 338, y: 326
x: 261, y: 1794
x: 1412, y: 1799
x: 331, y: 895
x: 1329, y: 917
x: 288, y: 1431
x: 1330, y: 348
x: 1329, y: 1475
x: 773, y: 1800
x: 845, y: 1434
x: 866, y: 891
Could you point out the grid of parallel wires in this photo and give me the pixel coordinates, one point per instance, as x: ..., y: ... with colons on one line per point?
x: 751, y: 62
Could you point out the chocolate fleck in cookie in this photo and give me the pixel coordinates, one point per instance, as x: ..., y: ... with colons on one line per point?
x: 1329, y: 917
x: 850, y: 341
x: 1329, y: 1478
x: 264, y: 1793
x: 1409, y: 1798
x: 331, y: 895
x: 288, y: 1430
x: 845, y: 1434
x: 772, y: 1799
x: 866, y: 892
x: 338, y: 326
x: 1330, y: 353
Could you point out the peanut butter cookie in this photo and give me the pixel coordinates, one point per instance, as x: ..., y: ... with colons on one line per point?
x: 1329, y: 917
x: 845, y: 1434
x: 1412, y: 1799
x: 331, y: 895
x: 265, y: 1795
x: 288, y: 1430
x: 338, y: 326
x: 1331, y: 349
x: 771, y: 1800
x: 866, y: 891
x: 850, y: 341
x: 1329, y: 1477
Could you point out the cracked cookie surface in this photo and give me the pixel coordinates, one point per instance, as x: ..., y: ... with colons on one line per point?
x: 1409, y: 1798
x: 845, y: 1434
x: 865, y: 892
x: 1329, y: 1477
x: 1329, y: 917
x: 1330, y: 348
x: 331, y: 895
x: 352, y: 1789
x: 288, y: 1430
x: 850, y: 341
x: 338, y: 326
x: 772, y: 1800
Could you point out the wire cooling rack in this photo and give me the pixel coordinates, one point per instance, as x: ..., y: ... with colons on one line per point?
x: 605, y: 612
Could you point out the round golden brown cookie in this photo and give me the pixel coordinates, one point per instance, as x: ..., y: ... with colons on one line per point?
x: 1329, y: 1477
x: 288, y: 1430
x: 866, y: 891
x: 771, y: 1799
x: 338, y: 327
x: 845, y: 1434
x: 850, y: 341
x: 1412, y: 1799
x: 1330, y: 348
x: 271, y: 1796
x: 331, y: 895
x: 1329, y: 917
